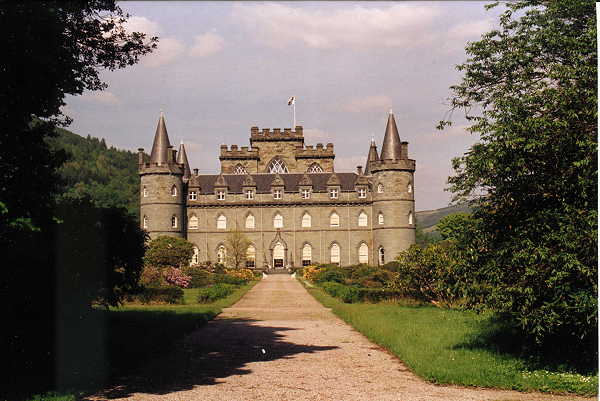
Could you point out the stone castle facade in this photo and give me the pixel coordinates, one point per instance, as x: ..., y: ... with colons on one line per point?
x: 286, y: 199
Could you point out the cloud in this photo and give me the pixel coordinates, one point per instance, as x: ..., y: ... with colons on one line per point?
x: 471, y: 29
x: 168, y: 50
x: 367, y: 103
x: 357, y: 27
x: 104, y: 97
x: 143, y: 25
x: 314, y: 135
x: 206, y: 44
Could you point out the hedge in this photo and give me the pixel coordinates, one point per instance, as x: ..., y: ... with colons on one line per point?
x: 168, y: 295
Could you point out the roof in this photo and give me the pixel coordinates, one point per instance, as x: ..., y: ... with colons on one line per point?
x: 392, y: 147
x: 161, y: 142
x: 263, y: 182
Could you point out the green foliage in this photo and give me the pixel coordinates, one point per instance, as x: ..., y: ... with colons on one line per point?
x: 214, y: 292
x: 453, y: 226
x: 161, y: 295
x: 228, y: 279
x: 167, y: 251
x: 334, y: 274
x: 200, y: 276
x: 533, y: 82
x: 345, y: 293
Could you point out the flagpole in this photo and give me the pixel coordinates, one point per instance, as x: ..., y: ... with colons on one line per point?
x: 294, y: 113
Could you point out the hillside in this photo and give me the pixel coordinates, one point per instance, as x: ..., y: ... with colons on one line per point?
x: 427, y: 219
x: 108, y: 175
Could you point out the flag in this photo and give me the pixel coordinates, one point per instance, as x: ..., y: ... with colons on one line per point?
x: 292, y: 101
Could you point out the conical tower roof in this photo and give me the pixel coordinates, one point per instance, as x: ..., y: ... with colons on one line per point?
x: 161, y: 144
x: 182, y: 159
x: 392, y: 147
x: 372, y: 156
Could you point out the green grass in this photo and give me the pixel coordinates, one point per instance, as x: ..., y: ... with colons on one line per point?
x: 449, y: 346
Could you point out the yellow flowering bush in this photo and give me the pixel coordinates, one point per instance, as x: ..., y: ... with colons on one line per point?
x: 244, y: 274
x: 310, y: 272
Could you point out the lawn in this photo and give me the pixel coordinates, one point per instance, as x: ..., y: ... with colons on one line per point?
x: 455, y: 347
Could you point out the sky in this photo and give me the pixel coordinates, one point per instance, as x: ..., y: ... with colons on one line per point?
x: 221, y: 68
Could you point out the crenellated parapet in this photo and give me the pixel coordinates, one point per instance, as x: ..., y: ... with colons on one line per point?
x: 393, y: 165
x: 276, y: 134
x: 318, y: 152
x: 236, y: 153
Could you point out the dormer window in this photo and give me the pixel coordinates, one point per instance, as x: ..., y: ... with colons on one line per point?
x: 362, y: 193
x: 277, y: 194
x: 173, y: 190
x: 333, y: 193
x: 220, y: 195
x: 305, y: 193
x: 249, y: 194
x: 193, y: 195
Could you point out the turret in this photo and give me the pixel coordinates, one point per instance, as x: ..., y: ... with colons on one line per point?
x: 162, y: 192
x: 183, y: 159
x: 372, y: 156
x: 393, y: 196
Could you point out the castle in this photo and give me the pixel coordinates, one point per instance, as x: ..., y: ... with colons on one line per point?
x: 286, y: 199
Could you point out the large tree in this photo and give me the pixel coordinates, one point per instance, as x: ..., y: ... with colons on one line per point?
x: 530, y: 91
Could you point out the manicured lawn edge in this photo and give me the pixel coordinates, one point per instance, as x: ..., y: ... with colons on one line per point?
x: 428, y: 355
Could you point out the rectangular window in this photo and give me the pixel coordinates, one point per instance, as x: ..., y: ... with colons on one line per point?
x: 250, y: 264
x: 249, y: 194
x: 306, y: 194
x: 333, y: 193
x: 362, y: 193
x: 305, y: 262
x: 221, y: 195
x: 193, y: 195
x: 277, y: 194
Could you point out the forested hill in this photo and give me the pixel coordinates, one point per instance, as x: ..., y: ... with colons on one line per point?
x: 108, y: 175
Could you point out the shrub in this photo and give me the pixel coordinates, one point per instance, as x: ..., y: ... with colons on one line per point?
x: 331, y: 274
x: 345, y: 293
x: 214, y: 292
x: 152, y: 277
x: 379, y: 294
x: 168, y: 295
x: 201, y: 277
x: 244, y: 274
x: 310, y: 272
x: 227, y: 279
x: 168, y: 252
x: 177, y: 278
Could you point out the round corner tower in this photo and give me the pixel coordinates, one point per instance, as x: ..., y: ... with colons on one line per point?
x: 162, y: 189
x: 392, y: 176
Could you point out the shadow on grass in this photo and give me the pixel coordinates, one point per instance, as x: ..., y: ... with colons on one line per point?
x: 221, y: 349
x: 497, y: 335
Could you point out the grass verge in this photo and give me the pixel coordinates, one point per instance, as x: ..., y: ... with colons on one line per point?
x: 445, y: 346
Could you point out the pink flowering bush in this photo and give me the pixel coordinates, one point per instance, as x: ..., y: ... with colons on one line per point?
x: 177, y: 277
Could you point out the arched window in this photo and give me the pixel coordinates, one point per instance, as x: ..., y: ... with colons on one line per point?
x: 306, y: 255
x: 145, y: 222
x: 409, y: 187
x: 410, y: 218
x: 239, y: 169
x: 221, y: 222
x: 314, y: 168
x: 380, y: 218
x: 380, y: 188
x: 221, y: 254
x: 145, y: 192
x: 173, y: 221
x: 381, y: 256
x: 334, y: 220
x: 277, y: 166
x: 195, y: 256
x: 173, y: 190
x: 363, y: 253
x: 250, y: 221
x: 335, y: 253
x: 251, y: 256
x: 363, y: 219
x: 193, y: 222
x: 278, y: 221
x: 306, y: 220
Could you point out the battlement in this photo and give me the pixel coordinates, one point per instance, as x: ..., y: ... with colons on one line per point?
x: 234, y: 152
x: 311, y: 152
x: 402, y: 164
x: 266, y: 134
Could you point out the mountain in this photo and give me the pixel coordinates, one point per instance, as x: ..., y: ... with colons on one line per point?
x: 106, y: 174
x: 427, y: 219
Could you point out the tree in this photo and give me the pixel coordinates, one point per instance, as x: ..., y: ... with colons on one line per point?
x: 454, y: 226
x: 166, y: 252
x: 237, y: 246
x: 530, y: 92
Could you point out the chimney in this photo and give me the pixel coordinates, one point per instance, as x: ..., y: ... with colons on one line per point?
x: 195, y: 171
x: 359, y: 170
x: 140, y: 156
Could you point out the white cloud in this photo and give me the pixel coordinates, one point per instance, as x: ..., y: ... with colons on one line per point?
x: 206, y: 44
x: 104, y: 97
x: 143, y: 25
x: 367, y: 103
x: 471, y: 29
x: 167, y: 51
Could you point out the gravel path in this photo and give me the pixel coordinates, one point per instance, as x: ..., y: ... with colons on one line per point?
x: 279, y: 343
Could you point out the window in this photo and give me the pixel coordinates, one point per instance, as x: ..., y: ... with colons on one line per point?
x: 193, y: 222
x: 195, y: 256
x: 381, y: 256
x: 335, y: 253
x: 277, y: 194
x: 173, y: 190
x: 362, y: 193
x: 314, y: 168
x: 145, y: 192
x: 251, y: 256
x: 363, y: 220
x: 221, y: 222
x: 221, y: 254
x: 380, y: 218
x: 306, y: 220
x: 409, y: 188
x: 249, y: 194
x: 174, y: 222
x: 278, y: 255
x: 363, y: 253
x: 278, y: 221
x: 239, y: 169
x: 193, y: 195
x: 334, y: 220
x: 306, y: 255
x: 250, y: 221
x: 277, y: 166
x: 379, y: 188
x: 145, y: 222
x: 333, y: 193
x: 220, y: 195
x: 410, y: 218
x: 305, y: 193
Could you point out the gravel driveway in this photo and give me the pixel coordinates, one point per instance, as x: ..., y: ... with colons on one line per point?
x: 278, y: 343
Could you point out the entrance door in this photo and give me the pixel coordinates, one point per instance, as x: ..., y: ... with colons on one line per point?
x: 278, y: 256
